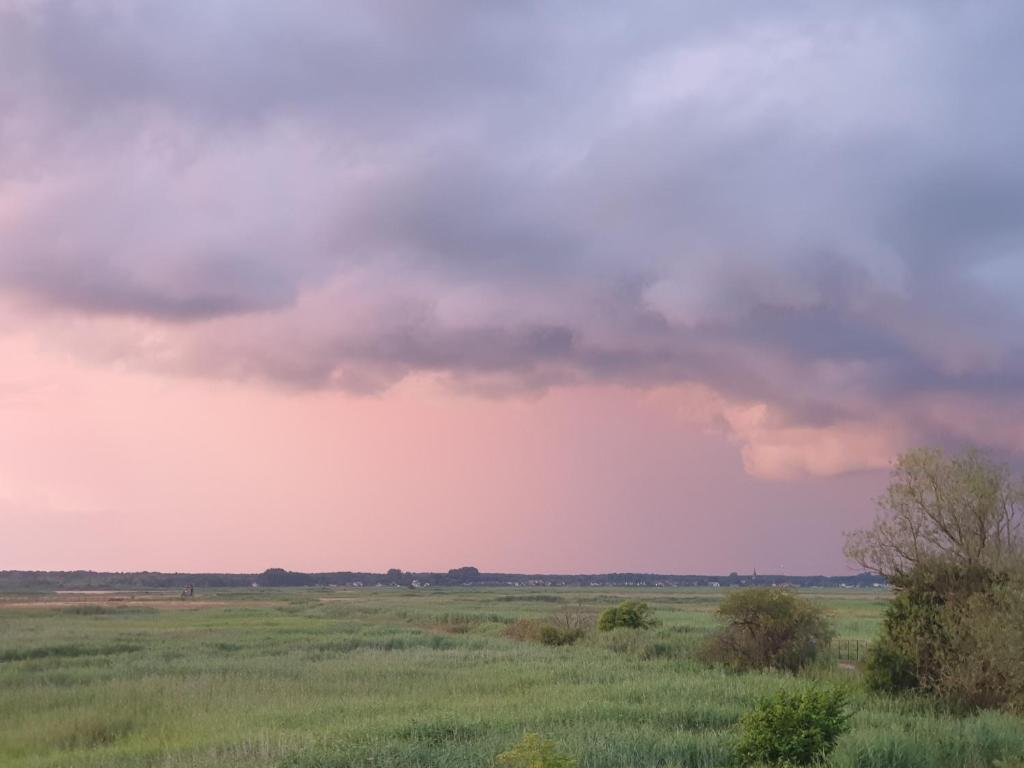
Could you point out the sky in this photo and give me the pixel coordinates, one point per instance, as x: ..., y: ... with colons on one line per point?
x: 535, y: 287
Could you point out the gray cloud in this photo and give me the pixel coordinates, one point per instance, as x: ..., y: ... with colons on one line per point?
x: 816, y: 205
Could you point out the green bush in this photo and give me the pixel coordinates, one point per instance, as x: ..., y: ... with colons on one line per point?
x: 767, y: 628
x: 534, y: 752
x: 954, y: 631
x: 919, y: 619
x: 550, y: 635
x: 630, y: 614
x: 792, y: 729
x: 537, y: 631
x: 889, y: 670
x: 984, y: 667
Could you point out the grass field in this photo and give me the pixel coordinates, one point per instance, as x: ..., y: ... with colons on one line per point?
x: 319, y: 678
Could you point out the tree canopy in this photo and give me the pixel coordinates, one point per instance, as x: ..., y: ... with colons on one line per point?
x: 964, y: 509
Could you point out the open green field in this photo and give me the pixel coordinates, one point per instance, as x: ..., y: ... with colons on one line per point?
x: 320, y: 678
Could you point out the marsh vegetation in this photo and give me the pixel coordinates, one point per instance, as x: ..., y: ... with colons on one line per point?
x: 397, y: 677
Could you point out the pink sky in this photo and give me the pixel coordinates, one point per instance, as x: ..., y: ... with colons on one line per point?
x: 109, y: 468
x: 525, y: 286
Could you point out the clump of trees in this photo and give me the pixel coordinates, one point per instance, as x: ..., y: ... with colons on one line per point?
x: 464, y: 574
x: 793, y: 728
x: 629, y: 614
x: 768, y: 628
x: 949, y: 537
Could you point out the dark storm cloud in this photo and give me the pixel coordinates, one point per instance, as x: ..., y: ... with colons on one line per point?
x: 219, y: 286
x: 817, y: 205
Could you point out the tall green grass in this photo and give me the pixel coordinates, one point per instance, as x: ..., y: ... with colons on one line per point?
x: 399, y: 678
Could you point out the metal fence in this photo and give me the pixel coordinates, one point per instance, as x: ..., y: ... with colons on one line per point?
x: 845, y: 649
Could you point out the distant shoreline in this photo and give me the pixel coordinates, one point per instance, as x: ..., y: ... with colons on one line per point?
x: 98, y: 582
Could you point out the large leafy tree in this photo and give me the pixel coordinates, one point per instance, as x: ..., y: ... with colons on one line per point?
x: 964, y: 510
x: 950, y: 538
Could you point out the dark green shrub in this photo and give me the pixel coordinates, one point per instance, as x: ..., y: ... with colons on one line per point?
x: 630, y: 614
x: 920, y: 618
x: 767, y: 628
x: 534, y: 752
x: 984, y: 666
x: 537, y: 631
x: 954, y: 631
x: 889, y: 670
x: 550, y: 635
x: 793, y: 728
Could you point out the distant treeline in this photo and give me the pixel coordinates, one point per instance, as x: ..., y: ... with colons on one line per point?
x: 12, y: 581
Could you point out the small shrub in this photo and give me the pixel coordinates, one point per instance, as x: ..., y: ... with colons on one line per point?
x: 793, y: 728
x: 534, y: 752
x: 888, y: 670
x: 768, y: 628
x: 550, y: 635
x: 630, y: 614
x: 574, y: 618
x: 537, y: 631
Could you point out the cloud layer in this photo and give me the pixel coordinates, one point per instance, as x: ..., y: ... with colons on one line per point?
x: 814, y: 211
